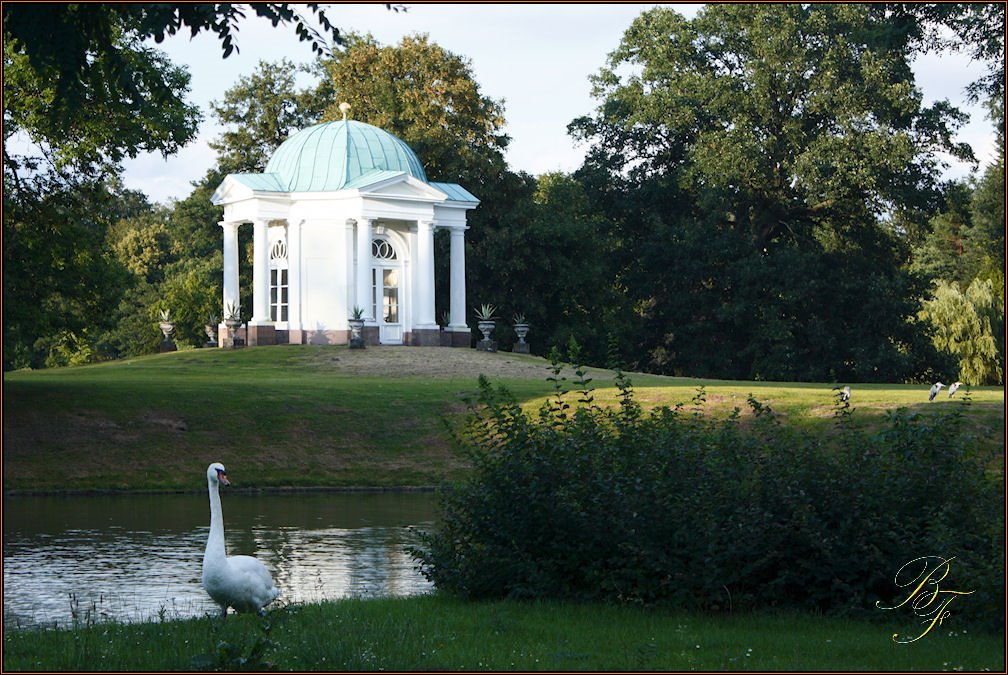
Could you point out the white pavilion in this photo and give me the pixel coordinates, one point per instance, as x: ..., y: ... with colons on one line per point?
x: 344, y: 217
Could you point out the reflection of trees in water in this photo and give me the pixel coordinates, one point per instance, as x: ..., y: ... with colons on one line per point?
x: 334, y: 563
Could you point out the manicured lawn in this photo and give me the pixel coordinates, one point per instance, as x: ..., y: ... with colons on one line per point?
x: 439, y: 633
x: 298, y: 416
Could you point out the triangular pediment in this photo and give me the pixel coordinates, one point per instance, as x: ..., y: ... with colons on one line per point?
x: 398, y: 185
x: 238, y: 186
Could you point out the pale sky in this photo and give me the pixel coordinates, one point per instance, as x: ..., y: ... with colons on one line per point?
x: 536, y: 57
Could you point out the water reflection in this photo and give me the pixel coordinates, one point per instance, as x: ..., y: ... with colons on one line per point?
x: 132, y: 558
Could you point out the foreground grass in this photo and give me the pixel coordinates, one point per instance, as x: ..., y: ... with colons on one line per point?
x: 438, y: 633
x: 295, y: 416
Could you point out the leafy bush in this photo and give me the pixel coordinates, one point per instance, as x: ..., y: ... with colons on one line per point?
x: 674, y: 507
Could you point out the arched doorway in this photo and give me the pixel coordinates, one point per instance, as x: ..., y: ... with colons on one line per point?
x: 386, y: 291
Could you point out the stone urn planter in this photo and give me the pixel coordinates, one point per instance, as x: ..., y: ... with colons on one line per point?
x: 167, y: 328
x: 232, y: 320
x: 356, y: 324
x: 521, y: 329
x: 486, y: 323
x: 210, y: 328
x: 486, y: 327
x: 232, y: 339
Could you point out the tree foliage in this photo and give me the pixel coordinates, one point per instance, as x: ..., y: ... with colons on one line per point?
x: 675, y: 508
x: 111, y: 129
x: 428, y: 97
x: 95, y: 64
x: 942, y: 250
x: 970, y: 324
x: 167, y: 272
x: 756, y: 157
x: 259, y: 112
x: 60, y: 280
x: 61, y: 160
x: 985, y: 241
x: 977, y: 28
x: 795, y: 116
x: 542, y: 261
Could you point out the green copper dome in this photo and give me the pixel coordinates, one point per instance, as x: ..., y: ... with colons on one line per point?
x: 332, y: 155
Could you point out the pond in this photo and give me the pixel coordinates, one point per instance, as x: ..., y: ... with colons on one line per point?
x: 139, y: 557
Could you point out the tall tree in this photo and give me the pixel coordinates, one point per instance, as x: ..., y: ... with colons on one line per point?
x: 793, y: 114
x: 985, y: 240
x: 970, y: 325
x: 260, y: 111
x: 61, y: 281
x: 941, y: 252
x: 779, y: 137
x: 428, y: 97
x: 61, y: 195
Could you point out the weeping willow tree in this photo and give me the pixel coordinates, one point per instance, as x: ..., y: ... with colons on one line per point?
x: 968, y: 324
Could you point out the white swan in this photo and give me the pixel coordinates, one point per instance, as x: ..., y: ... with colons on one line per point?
x: 238, y: 581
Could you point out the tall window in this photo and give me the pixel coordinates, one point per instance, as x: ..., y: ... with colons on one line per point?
x: 278, y: 281
x: 384, y: 282
x: 385, y: 295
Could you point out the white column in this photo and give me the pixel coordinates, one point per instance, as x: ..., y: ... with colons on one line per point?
x: 424, y: 291
x: 458, y: 284
x: 294, y: 274
x: 260, y: 272
x: 363, y: 296
x: 412, y: 272
x: 349, y: 271
x: 230, y: 266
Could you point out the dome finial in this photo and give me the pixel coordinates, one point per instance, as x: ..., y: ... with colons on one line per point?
x: 344, y: 108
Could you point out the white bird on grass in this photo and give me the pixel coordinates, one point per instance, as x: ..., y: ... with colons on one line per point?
x: 845, y: 394
x: 953, y: 387
x: 238, y: 581
x: 935, y: 388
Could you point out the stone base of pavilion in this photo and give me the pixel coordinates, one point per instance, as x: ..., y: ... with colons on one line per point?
x: 423, y: 337
x: 461, y: 338
x: 261, y: 335
x: 267, y: 334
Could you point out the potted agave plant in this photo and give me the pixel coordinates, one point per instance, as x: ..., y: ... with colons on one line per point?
x: 521, y: 329
x: 356, y: 323
x: 166, y: 324
x: 486, y: 323
x: 232, y: 316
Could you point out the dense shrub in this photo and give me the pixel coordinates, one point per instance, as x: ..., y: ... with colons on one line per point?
x: 675, y: 507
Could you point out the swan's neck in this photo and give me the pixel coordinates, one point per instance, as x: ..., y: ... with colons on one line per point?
x: 215, y: 542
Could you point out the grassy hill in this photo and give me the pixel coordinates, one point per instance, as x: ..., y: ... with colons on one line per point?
x: 308, y: 416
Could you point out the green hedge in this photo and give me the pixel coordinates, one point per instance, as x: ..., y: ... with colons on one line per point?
x: 674, y: 507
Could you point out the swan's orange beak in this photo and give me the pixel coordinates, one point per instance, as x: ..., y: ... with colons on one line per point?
x: 222, y: 477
